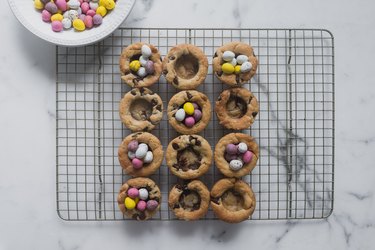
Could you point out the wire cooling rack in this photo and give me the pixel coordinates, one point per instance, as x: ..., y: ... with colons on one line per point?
x: 294, y: 85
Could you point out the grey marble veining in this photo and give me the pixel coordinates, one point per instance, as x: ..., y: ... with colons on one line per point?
x: 27, y: 136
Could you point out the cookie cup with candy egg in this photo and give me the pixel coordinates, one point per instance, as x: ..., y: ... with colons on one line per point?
x: 147, y: 168
x: 139, y: 205
x: 177, y: 105
x: 223, y: 158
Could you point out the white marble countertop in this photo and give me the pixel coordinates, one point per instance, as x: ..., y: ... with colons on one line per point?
x: 28, y: 218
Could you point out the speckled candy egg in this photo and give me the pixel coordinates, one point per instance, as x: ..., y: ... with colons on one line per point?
x: 241, y: 59
x: 141, y: 205
x: 197, y: 115
x: 242, y: 147
x: 51, y: 7
x: 133, y: 193
x: 235, y: 165
x: 133, y: 145
x: 149, y: 157
x: 228, y: 56
x: 137, y: 163
x: 141, y: 151
x: 61, y: 4
x: 150, y: 69
x: 97, y: 19
x: 143, y: 194
x: 231, y: 149
x: 146, y: 51
x: 246, y: 67
x: 247, y: 157
x: 180, y: 115
x: 152, y: 205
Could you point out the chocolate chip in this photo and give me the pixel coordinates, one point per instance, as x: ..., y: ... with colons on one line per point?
x: 198, y: 143
x: 175, y: 106
x: 215, y: 200
x: 146, y: 129
x: 219, y: 98
x: 176, y: 166
x: 254, y: 114
x: 191, y: 138
x: 154, y: 102
x: 220, y: 73
x: 238, y: 79
x: 176, y: 206
x: 215, y: 55
x: 158, y: 107
x: 172, y: 58
x: 179, y: 186
x: 165, y: 72
x: 175, y: 80
x: 156, y: 199
x: 196, y: 206
x: 142, y: 90
x: 251, y: 98
x: 175, y: 146
x: 189, y: 96
x: 194, y: 166
x: 142, y: 216
x: 135, y: 81
x: 133, y: 92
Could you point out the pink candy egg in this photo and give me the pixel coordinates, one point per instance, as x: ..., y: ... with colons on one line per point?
x: 91, y: 13
x: 88, y: 22
x: 46, y: 16
x: 82, y: 17
x: 152, y: 205
x: 197, y: 115
x: 97, y: 19
x: 137, y: 163
x: 141, y: 205
x: 61, y: 4
x: 85, y: 7
x: 133, y: 145
x: 57, y: 26
x: 247, y: 156
x: 133, y: 193
x: 189, y: 121
x: 231, y: 149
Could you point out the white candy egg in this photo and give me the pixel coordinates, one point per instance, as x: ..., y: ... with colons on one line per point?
x: 180, y: 115
x: 141, y: 72
x: 143, y: 60
x: 74, y: 4
x: 246, y: 67
x: 228, y: 56
x: 241, y: 59
x: 149, y: 157
x: 234, y: 62
x: 141, y: 151
x: 242, y: 147
x: 131, y: 155
x: 93, y: 5
x: 143, y: 194
x: 146, y: 51
x: 235, y: 165
x: 67, y: 23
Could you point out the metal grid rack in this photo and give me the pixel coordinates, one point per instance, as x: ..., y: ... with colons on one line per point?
x: 294, y: 129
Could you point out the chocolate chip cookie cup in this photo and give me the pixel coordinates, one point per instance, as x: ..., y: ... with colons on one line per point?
x: 185, y: 66
x: 236, y: 154
x: 236, y: 108
x: 139, y: 198
x: 189, y: 111
x: 140, y: 154
x: 141, y: 109
x: 189, y: 201
x: 235, y: 63
x: 140, y: 65
x: 232, y: 200
x: 189, y: 156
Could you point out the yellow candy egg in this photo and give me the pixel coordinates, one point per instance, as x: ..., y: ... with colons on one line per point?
x: 79, y: 25
x: 102, y: 2
x: 129, y: 203
x: 57, y: 17
x: 101, y: 10
x: 237, y: 69
x: 227, y: 68
x: 136, y: 200
x: 189, y: 108
x: 135, y: 65
x: 109, y: 4
x: 38, y: 4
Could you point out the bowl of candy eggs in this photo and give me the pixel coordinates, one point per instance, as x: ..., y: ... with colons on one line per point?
x: 71, y: 22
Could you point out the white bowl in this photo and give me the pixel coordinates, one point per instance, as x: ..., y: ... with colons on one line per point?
x: 31, y: 18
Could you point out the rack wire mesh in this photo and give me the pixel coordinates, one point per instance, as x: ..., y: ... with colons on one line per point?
x: 294, y: 85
